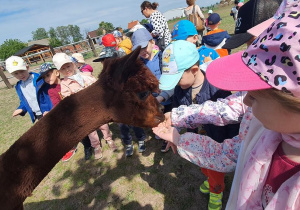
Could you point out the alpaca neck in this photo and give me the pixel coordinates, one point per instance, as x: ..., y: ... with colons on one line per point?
x: 24, y: 165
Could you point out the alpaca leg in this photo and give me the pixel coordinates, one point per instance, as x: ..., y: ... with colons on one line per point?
x: 108, y: 137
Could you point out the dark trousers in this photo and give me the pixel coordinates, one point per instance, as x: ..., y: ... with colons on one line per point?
x: 126, y: 136
x: 86, y: 142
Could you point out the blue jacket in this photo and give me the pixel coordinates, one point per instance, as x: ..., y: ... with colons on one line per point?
x: 42, y: 96
x: 207, y: 92
x: 155, y: 64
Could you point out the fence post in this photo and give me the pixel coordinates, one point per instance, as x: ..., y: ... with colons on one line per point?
x: 52, y: 50
x: 92, y: 45
x: 8, y: 85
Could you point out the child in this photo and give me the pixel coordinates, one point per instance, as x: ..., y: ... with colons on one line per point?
x: 74, y: 82
x: 216, y: 38
x: 182, y: 67
x: 152, y: 58
x: 124, y: 45
x: 266, y: 154
x: 82, y: 66
x: 33, y: 94
x: 186, y: 30
x: 51, y: 76
x: 108, y: 40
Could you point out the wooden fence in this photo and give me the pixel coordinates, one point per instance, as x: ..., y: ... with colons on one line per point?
x: 83, y: 46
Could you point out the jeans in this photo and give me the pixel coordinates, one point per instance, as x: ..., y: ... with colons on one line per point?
x: 126, y: 136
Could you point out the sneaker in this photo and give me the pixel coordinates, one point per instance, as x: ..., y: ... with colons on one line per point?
x: 88, y: 153
x: 129, y: 150
x: 142, y: 146
x: 111, y: 145
x: 98, y: 153
x: 164, y: 147
x: 204, y: 187
x: 215, y: 201
x: 69, y: 155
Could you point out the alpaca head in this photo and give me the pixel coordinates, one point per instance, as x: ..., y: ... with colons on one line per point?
x: 129, y: 86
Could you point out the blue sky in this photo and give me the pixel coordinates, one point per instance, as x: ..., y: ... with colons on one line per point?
x: 18, y: 18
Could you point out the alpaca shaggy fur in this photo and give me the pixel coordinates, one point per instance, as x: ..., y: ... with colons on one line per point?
x: 115, y: 97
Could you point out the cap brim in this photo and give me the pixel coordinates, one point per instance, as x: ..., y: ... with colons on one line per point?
x: 237, y: 40
x: 42, y: 74
x: 142, y: 44
x: 258, y: 29
x: 236, y: 77
x: 169, y: 81
x: 98, y: 59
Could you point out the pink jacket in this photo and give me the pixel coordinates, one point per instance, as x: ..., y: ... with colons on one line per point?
x: 69, y: 86
x: 248, y: 150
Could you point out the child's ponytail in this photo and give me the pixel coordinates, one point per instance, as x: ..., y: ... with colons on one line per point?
x: 147, y: 4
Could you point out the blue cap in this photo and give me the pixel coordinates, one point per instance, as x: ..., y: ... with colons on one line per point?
x: 177, y: 57
x: 117, y: 33
x: 140, y: 37
x: 44, y: 68
x: 213, y: 19
x: 183, y: 29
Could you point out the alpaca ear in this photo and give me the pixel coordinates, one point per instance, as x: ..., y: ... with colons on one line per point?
x: 129, y: 67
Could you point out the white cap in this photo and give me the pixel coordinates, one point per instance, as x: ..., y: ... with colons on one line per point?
x: 79, y: 57
x: 59, y: 59
x: 15, y: 63
x: 210, y: 11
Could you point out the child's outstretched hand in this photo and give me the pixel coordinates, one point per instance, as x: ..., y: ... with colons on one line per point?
x: 167, y: 133
x: 17, y: 112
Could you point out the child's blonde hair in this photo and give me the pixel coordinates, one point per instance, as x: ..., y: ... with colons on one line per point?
x: 287, y: 100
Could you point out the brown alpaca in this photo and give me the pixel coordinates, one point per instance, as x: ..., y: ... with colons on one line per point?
x: 121, y: 94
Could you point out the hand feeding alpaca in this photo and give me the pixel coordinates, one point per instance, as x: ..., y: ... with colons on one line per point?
x: 122, y: 94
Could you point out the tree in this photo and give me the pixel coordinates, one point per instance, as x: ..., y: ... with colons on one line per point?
x: 144, y: 21
x: 52, y: 33
x: 10, y: 47
x: 39, y: 33
x: 75, y: 33
x: 108, y: 27
x: 63, y: 34
x: 55, y: 42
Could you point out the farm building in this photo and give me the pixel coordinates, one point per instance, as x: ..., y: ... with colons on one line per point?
x: 35, y: 53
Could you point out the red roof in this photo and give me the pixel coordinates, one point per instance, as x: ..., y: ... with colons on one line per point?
x: 93, y: 33
x: 133, y: 23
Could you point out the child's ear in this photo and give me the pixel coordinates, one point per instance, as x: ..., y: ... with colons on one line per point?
x: 194, y: 69
x: 195, y: 37
x: 152, y: 41
x: 56, y: 72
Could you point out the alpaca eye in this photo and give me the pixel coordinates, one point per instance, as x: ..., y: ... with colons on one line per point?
x: 143, y: 95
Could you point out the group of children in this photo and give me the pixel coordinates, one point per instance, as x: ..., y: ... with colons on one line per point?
x: 255, y: 133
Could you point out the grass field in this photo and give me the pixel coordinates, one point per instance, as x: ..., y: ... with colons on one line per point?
x: 151, y: 180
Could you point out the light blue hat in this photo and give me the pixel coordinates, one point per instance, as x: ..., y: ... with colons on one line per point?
x: 140, y: 37
x: 183, y: 29
x: 177, y: 57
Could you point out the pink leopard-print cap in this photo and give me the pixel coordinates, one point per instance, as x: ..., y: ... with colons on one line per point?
x: 274, y: 57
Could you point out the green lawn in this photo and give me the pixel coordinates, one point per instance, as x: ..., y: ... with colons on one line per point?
x: 151, y: 180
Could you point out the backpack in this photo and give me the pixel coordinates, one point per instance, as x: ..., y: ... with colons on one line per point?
x: 196, y: 20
